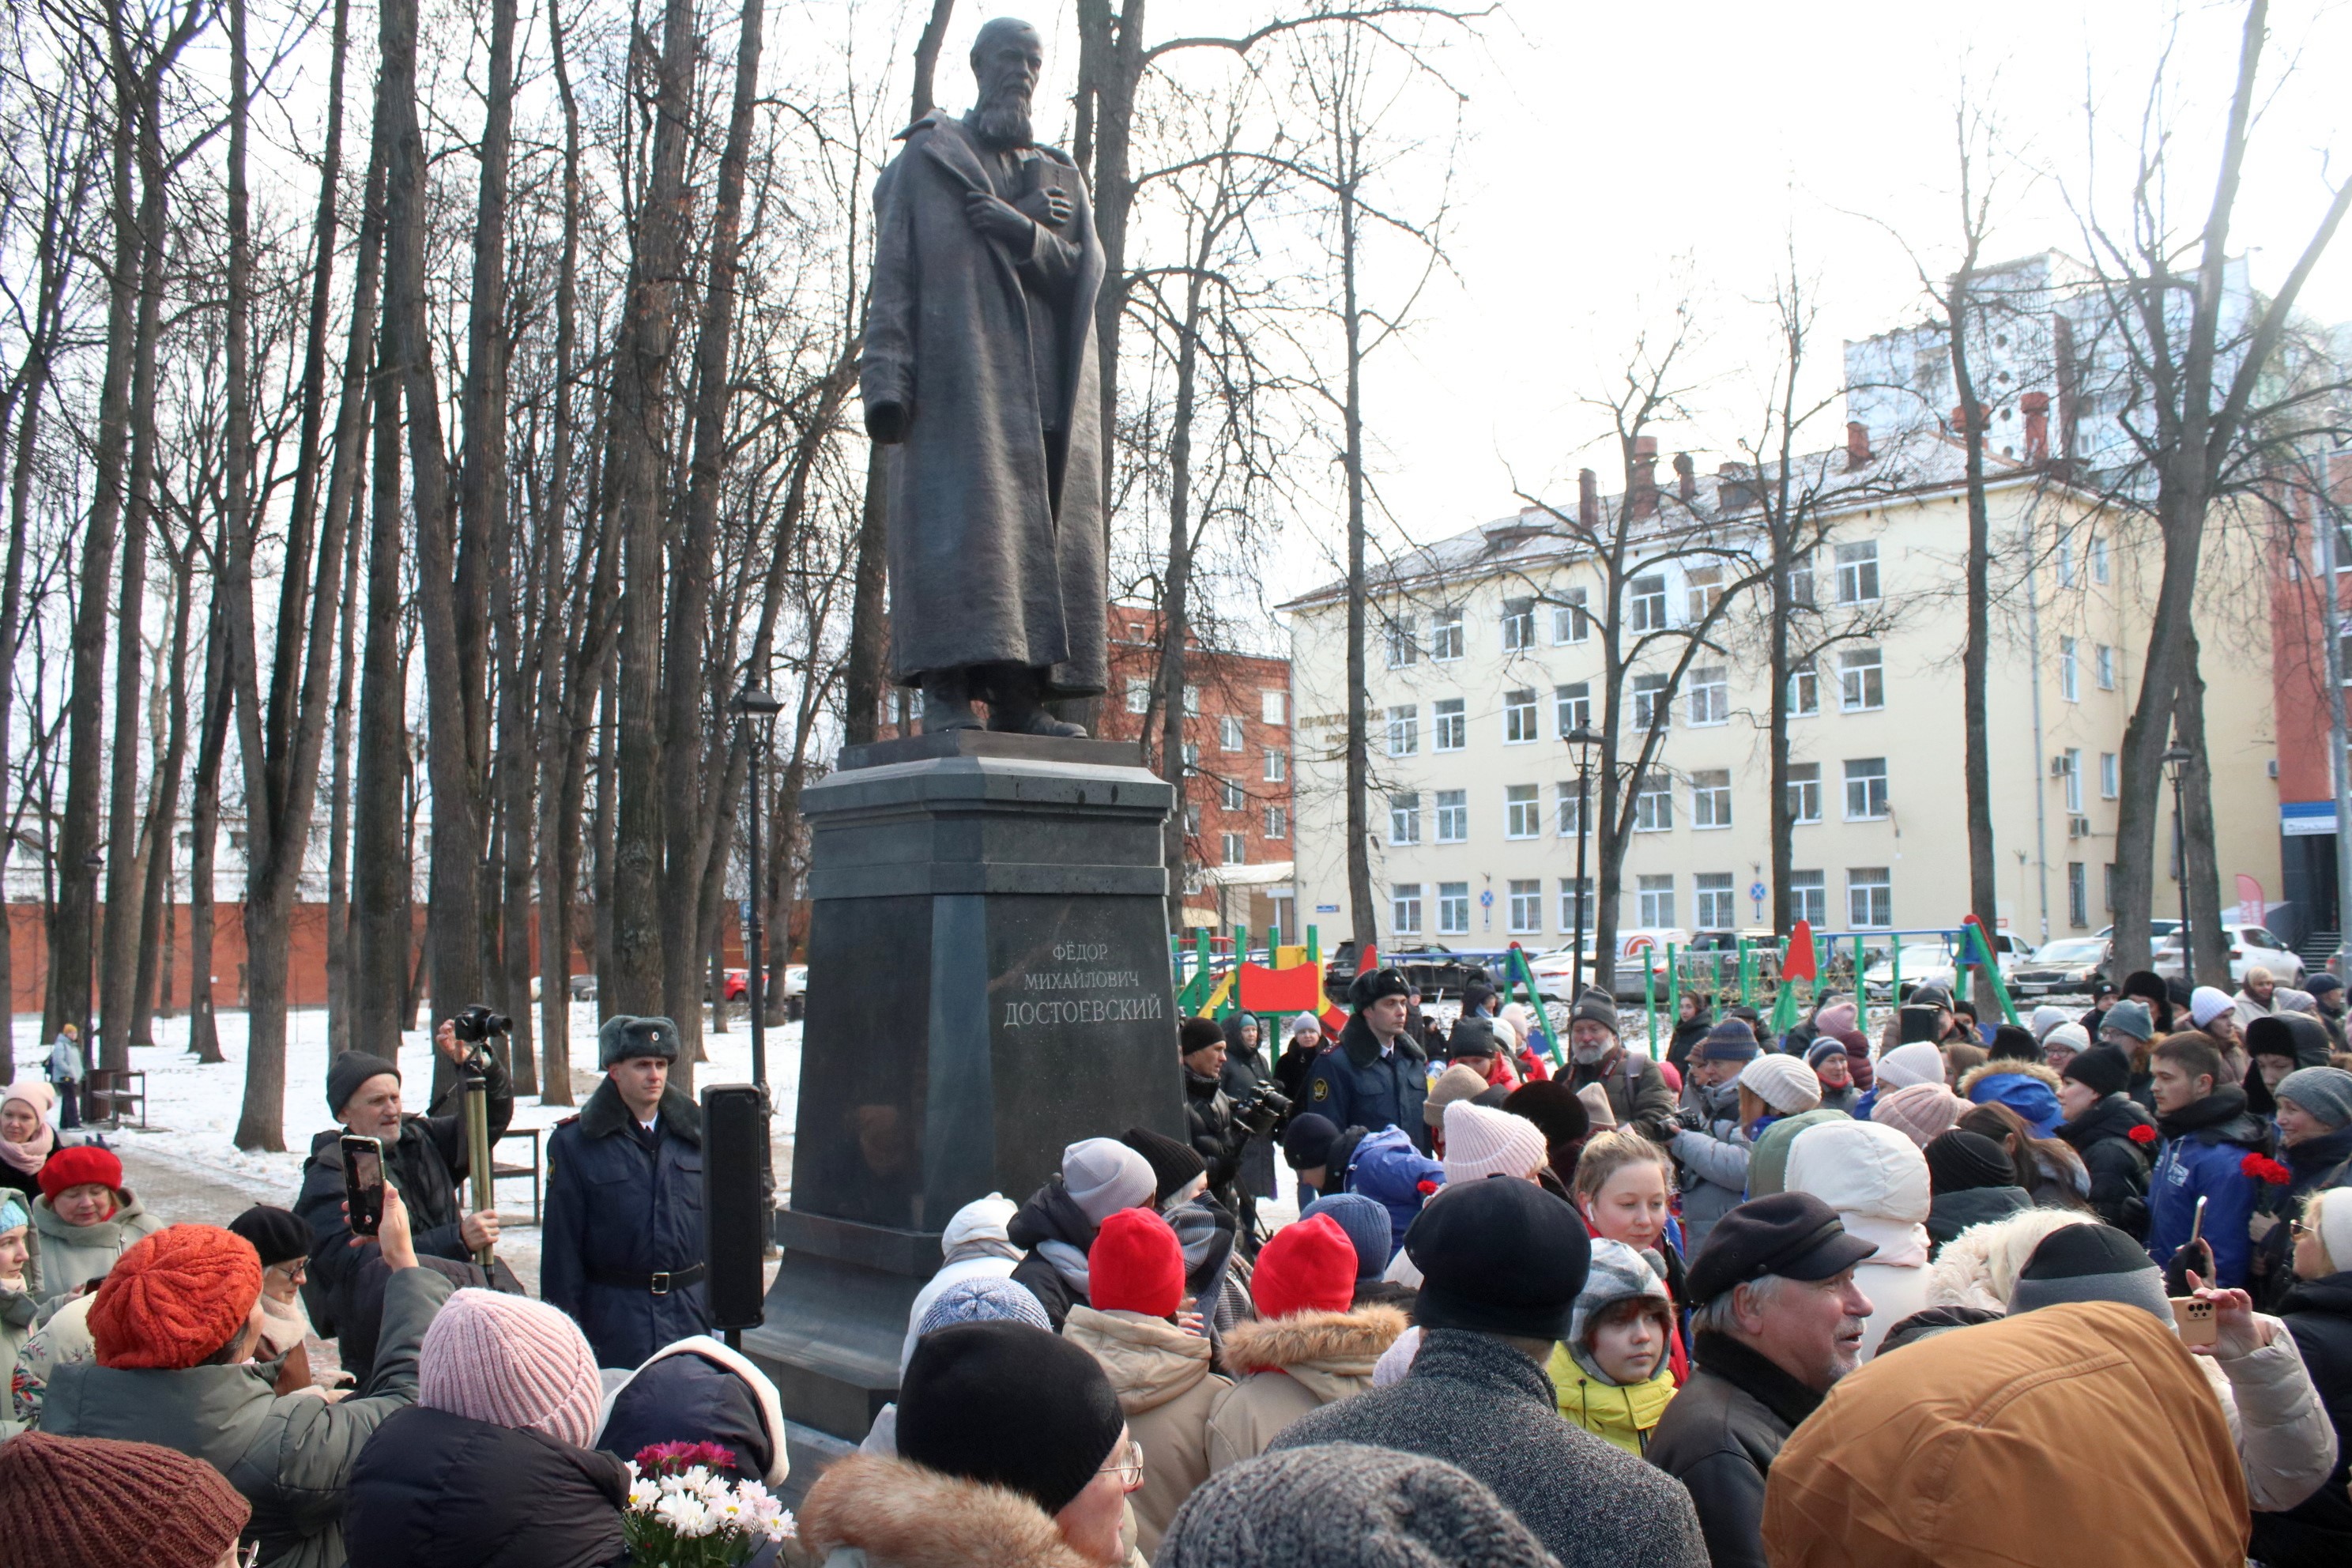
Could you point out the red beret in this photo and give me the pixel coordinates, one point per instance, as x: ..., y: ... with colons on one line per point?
x: 78, y: 1166
x: 176, y: 1298
x: 1309, y: 1267
x: 1136, y: 1265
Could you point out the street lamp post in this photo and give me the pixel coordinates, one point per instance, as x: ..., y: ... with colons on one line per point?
x: 2176, y: 758
x: 749, y: 703
x: 1581, y: 741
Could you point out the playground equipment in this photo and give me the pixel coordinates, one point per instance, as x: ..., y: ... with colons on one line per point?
x: 1221, y: 976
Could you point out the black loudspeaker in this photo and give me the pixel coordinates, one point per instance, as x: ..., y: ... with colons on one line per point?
x: 734, y: 1203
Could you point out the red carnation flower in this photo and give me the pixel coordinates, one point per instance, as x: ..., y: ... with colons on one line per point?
x: 2263, y: 1169
x: 1426, y: 1186
x: 2142, y: 1133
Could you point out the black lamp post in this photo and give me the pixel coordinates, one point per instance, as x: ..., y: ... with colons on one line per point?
x: 1582, y: 742
x: 2176, y: 760
x: 747, y: 704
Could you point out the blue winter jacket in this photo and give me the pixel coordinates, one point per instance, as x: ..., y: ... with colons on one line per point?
x: 1353, y: 1085
x: 2205, y: 1145
x: 1387, y: 1169
x: 620, y: 1209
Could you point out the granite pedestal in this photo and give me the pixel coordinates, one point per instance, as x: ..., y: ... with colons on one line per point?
x: 988, y: 981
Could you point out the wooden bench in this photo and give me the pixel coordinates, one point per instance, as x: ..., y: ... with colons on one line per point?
x: 502, y: 1169
x: 105, y: 1091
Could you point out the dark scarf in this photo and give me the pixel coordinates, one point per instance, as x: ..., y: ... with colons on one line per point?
x: 2221, y: 1106
x: 1756, y: 1374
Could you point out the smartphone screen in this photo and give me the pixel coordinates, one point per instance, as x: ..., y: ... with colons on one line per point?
x: 363, y: 1182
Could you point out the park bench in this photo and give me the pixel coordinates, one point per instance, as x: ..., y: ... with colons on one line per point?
x: 106, y: 1091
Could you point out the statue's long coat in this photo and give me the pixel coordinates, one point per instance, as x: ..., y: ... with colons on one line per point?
x: 996, y: 530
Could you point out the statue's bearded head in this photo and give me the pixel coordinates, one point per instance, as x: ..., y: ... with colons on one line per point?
x: 1007, y: 57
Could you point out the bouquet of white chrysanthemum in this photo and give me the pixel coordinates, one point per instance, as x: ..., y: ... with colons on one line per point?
x: 683, y: 1514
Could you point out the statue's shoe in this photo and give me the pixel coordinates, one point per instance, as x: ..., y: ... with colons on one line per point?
x: 1035, y: 721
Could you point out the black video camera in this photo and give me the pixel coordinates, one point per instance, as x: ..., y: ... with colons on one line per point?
x: 477, y: 1024
x: 1260, y: 1109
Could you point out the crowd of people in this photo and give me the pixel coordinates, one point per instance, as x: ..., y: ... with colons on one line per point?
x: 1963, y: 1294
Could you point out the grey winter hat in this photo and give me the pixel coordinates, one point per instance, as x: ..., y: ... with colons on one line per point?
x: 986, y: 1300
x: 2325, y: 1092
x: 1595, y: 1006
x: 351, y: 1069
x: 2132, y: 1018
x: 1104, y: 1176
x: 1340, y: 1505
x: 624, y: 1039
x: 1366, y: 1222
x: 2090, y: 1263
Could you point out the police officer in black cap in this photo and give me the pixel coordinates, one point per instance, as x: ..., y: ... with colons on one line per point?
x: 1375, y: 1077
x: 621, y: 1237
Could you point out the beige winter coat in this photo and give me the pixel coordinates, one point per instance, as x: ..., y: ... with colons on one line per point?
x: 73, y: 1255
x: 2284, y: 1441
x: 868, y: 1511
x: 1164, y: 1384
x: 1292, y: 1365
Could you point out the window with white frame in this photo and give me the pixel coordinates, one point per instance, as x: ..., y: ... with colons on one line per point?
x: 1273, y: 706
x: 2065, y: 560
x: 1800, y: 579
x: 1278, y: 822
x: 1655, y: 897
x: 1570, y: 621
x: 1703, y: 591
x: 1452, y: 909
x: 1139, y: 693
x: 1453, y: 728
x: 1445, y: 636
x: 1654, y: 803
x: 1192, y: 756
x: 1404, y: 645
x: 1711, y: 798
x: 1809, y: 898
x: 1192, y: 822
x: 1193, y: 880
x: 1710, y: 695
x: 1405, y: 908
x: 2098, y: 560
x: 1866, y: 789
x: 1236, y: 849
x: 1645, y: 603
x: 1869, y: 898
x: 1518, y: 625
x: 2070, y: 673
x: 1804, y: 792
x: 1857, y: 569
x: 1569, y: 809
x: 2073, y: 779
x: 1649, y: 701
x: 1520, y: 716
x: 1453, y: 815
x: 1193, y: 700
x: 1861, y: 679
x: 1278, y: 764
x: 2078, y: 894
x: 2111, y: 777
x: 1522, y: 812
x: 1405, y: 817
x: 1718, y: 906
x: 1575, y: 905
x: 1526, y: 906
x: 1229, y: 733
x: 2103, y: 663
x: 1572, y: 707
x: 1804, y: 690
x: 1404, y: 731
x: 1236, y: 798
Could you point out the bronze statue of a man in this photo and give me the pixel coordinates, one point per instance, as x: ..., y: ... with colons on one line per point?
x: 980, y: 370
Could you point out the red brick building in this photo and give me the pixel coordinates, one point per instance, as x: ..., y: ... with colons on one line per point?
x: 2310, y: 838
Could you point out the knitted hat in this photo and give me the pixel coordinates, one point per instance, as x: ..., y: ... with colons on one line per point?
x: 1011, y: 1405
x: 1174, y: 1166
x: 1960, y: 1160
x: 2066, y: 1038
x: 2272, y: 1036
x: 2325, y: 1092
x: 1136, y: 1265
x: 1597, y: 1107
x: 1781, y: 1082
x: 2321, y: 984
x: 1558, y: 1113
x: 2014, y: 1044
x: 1616, y: 1273
x: 2330, y: 1212
x: 1198, y: 1034
x: 1340, y: 1505
x: 510, y: 1362
x: 1309, y: 1267
x: 2207, y: 1004
x: 1594, y: 1007
x: 1834, y: 1019
x: 1367, y: 988
x: 348, y: 1070
x: 1918, y: 1062
x: 1932, y: 996
x: 624, y: 1038
x: 986, y: 1300
x: 34, y: 1093
x: 1460, y: 1081
x: 80, y: 1165
x: 1366, y: 1222
x: 2046, y: 1018
x: 2090, y: 1263
x: 175, y: 1298
x: 1919, y: 1111
x: 983, y: 1219
x: 93, y: 1500
x: 1104, y: 1176
x: 1824, y: 1046
x: 280, y: 1236
x: 1498, y: 1257
x: 2131, y: 1018
x: 1480, y: 1142
x: 12, y: 1213
x: 2101, y: 1067
x: 1305, y: 1026
x: 1472, y: 1036
x: 1728, y: 1041
x: 1307, y: 1141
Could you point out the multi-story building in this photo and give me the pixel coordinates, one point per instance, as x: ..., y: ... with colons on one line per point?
x: 1486, y: 656
x: 2317, y: 499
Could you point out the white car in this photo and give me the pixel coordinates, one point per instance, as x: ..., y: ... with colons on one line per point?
x: 1555, y: 970
x: 2249, y: 946
x: 1931, y: 964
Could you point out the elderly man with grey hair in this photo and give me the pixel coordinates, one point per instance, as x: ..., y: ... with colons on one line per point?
x: 1779, y: 1320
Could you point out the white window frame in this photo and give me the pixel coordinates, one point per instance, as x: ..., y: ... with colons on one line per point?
x: 1649, y: 705
x: 1800, y: 579
x: 2074, y: 779
x: 1230, y: 734
x: 2103, y: 666
x: 1236, y: 796
x: 1522, y: 810
x: 1236, y: 849
x: 1804, y: 792
x: 1571, y: 705
x: 1404, y: 818
x: 2111, y: 776
x: 1875, y: 887
x: 1278, y: 822
x: 1452, y: 909
x: 1567, y: 808
x: 1278, y: 764
x: 1138, y: 694
x: 1404, y: 731
x: 1452, y: 725
x: 1805, y: 691
x: 1519, y: 723
x: 1710, y: 696
x: 1703, y: 589
x: 1571, y: 622
x: 1711, y: 799
x: 1645, y: 603
x: 1445, y: 636
x: 2070, y: 670
x: 1715, y: 900
x: 1569, y: 902
x: 1454, y: 813
x: 1273, y: 707
x: 1809, y: 898
x: 1526, y: 910
x: 1861, y: 679
x: 1857, y: 569
x: 2099, y: 572
x: 1518, y: 625
x: 1405, y: 908
x: 1654, y: 803
x: 1404, y: 642
x: 1873, y: 787
x: 1654, y: 901
x: 1192, y: 701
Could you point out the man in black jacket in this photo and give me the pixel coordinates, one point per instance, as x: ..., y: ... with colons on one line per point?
x: 1779, y: 1320
x: 1375, y: 1077
x: 2115, y: 1138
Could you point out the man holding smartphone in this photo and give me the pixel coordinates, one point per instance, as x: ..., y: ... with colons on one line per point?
x: 423, y: 1161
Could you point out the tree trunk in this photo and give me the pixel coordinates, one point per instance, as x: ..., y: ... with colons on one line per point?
x: 1361, y: 906
x: 2202, y: 866
x: 379, y: 922
x: 204, y: 831
x: 863, y: 685
x: 163, y: 805
x: 606, y: 827
x: 1975, y: 654
x: 1175, y: 589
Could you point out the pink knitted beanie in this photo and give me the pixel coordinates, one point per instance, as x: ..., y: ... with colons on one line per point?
x: 1480, y: 1142
x: 510, y: 1362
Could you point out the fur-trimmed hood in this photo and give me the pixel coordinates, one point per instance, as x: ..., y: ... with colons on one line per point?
x: 1979, y: 1267
x: 606, y: 1113
x: 2041, y: 1071
x: 901, y: 1515
x: 1150, y: 1360
x: 1330, y: 1354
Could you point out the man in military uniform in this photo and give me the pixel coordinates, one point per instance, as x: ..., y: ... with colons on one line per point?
x: 1375, y: 1077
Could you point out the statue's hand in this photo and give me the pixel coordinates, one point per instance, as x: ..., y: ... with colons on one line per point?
x: 888, y: 422
x: 997, y: 219
x: 1049, y: 206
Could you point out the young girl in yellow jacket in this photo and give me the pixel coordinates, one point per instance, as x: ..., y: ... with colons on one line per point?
x: 1609, y: 1373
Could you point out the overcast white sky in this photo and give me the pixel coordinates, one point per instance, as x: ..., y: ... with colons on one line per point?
x: 1612, y: 150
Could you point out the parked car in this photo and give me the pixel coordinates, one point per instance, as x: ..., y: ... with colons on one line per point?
x: 2157, y: 930
x: 1435, y: 970
x: 1932, y: 963
x: 2249, y: 946
x: 2069, y: 966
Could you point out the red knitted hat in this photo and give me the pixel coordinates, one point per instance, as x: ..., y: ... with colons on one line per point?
x: 176, y: 1298
x: 79, y: 1164
x: 1136, y: 1266
x: 1309, y: 1267
x: 92, y: 1500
